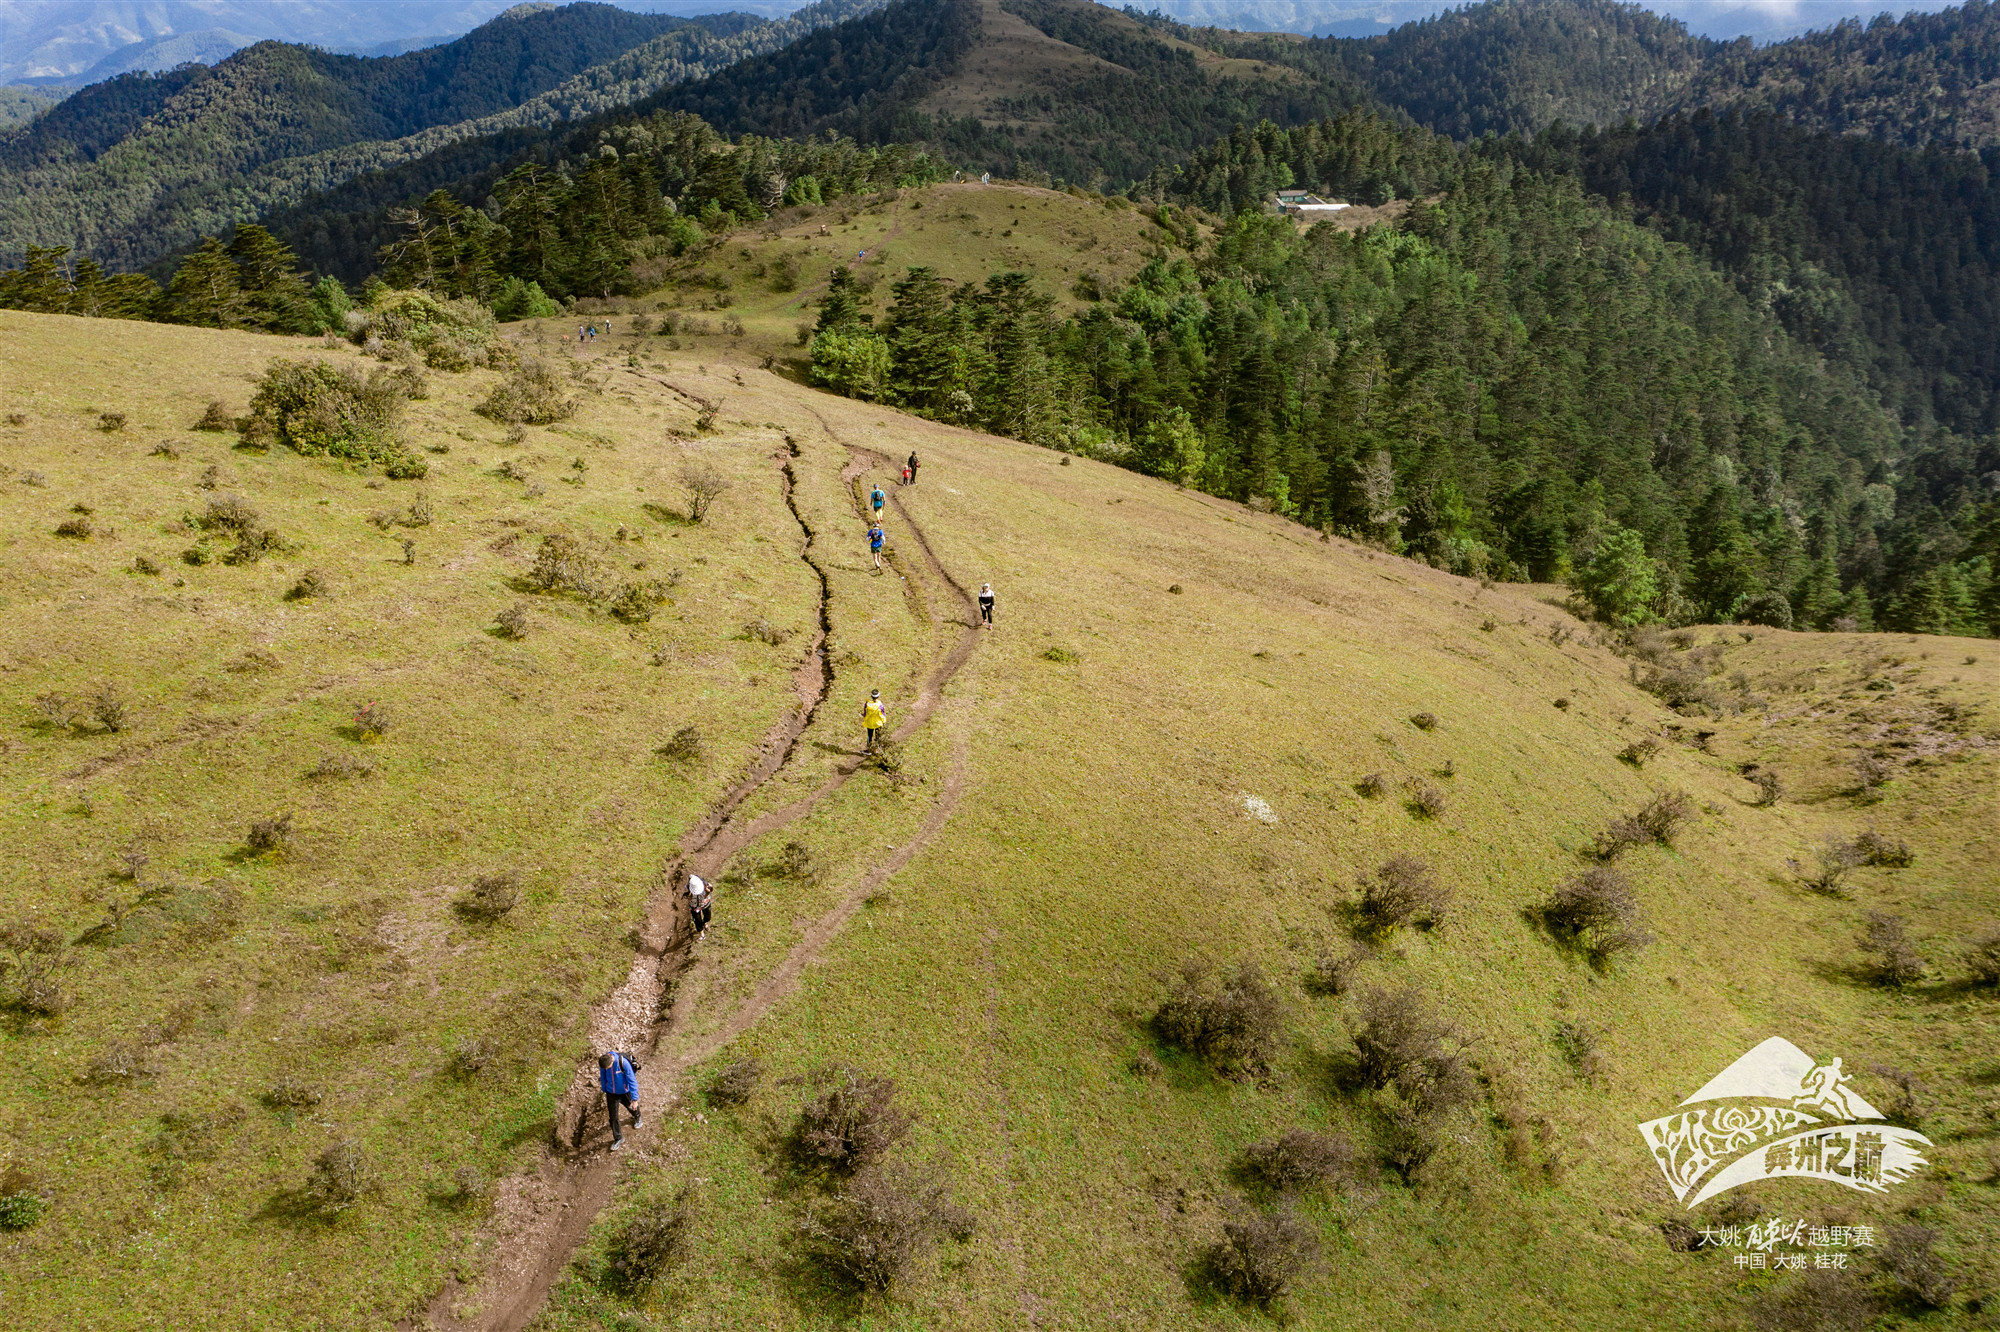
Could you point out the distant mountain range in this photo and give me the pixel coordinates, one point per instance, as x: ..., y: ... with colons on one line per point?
x: 78, y: 42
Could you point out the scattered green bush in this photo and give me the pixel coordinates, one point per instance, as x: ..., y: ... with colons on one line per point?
x: 291, y: 1092
x: 491, y: 896
x: 217, y: 418
x: 564, y: 564
x: 657, y: 1237
x: 270, y: 835
x: 685, y: 747
x: 1403, y: 891
x: 513, y: 622
x: 1890, y: 958
x: 1598, y: 912
x: 1333, y: 973
x: 1260, y: 1256
x: 1983, y: 957
x: 735, y: 1084
x: 1658, y: 821
x: 33, y: 964
x: 879, y: 1223
x: 339, y: 1178
x: 1298, y: 1159
x: 320, y: 410
x: 534, y: 392
x: 21, y: 1210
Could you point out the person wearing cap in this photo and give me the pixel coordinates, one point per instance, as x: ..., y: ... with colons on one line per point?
x: 618, y: 1075
x: 876, y: 500
x: 701, y: 903
x: 872, y: 716
x: 986, y: 604
x: 875, y: 542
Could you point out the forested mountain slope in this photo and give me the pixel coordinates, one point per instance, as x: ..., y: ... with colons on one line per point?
x: 136, y: 167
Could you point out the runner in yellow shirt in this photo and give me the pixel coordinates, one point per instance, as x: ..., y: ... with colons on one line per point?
x: 872, y: 716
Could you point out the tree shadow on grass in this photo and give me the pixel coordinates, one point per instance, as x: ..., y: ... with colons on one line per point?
x: 295, y: 1208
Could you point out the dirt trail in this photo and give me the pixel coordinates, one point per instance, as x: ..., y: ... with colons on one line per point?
x: 545, y: 1216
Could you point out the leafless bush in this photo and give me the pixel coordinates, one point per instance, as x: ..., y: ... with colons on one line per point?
x: 1231, y: 1027
x: 1832, y: 859
x: 313, y: 585
x: 341, y: 767
x: 109, y: 421
x: 1260, y: 1256
x: 469, y: 1056
x: 76, y: 529
x: 1821, y: 1300
x: 1597, y: 911
x: 1577, y: 1041
x: 1658, y: 821
x: 1397, y: 1040
x: 119, y: 1064
x: 108, y: 709
x: 1891, y: 959
x: 685, y: 747
x: 1333, y: 973
x: 266, y: 835
x: 879, y: 1224
x: 513, y: 622
x: 1872, y: 770
x: 145, y: 564
x: 1877, y: 849
x: 291, y: 1092
x: 339, y: 1178
x: 1298, y: 1159
x: 421, y: 513
x: 1914, y: 1268
x: 1909, y: 1098
x: 1424, y: 721
x: 217, y: 419
x: 33, y: 963
x: 1426, y: 800
x: 851, y: 1123
x: 1983, y: 958
x: 797, y: 862
x: 735, y: 1084
x: 1403, y: 891
x: 704, y: 483
x: 656, y: 1238
x: 491, y: 896
x: 373, y: 720
x: 1769, y: 786
x: 763, y: 631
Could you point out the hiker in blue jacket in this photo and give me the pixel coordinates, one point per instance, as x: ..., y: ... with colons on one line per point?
x: 618, y: 1074
x: 876, y: 500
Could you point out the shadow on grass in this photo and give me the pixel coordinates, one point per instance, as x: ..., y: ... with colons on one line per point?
x: 295, y: 1208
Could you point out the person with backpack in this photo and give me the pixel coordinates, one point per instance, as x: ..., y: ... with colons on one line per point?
x: 618, y: 1075
x: 876, y: 500
x: 875, y: 542
x: 701, y: 903
x: 911, y: 473
x: 873, y: 717
x: 986, y: 604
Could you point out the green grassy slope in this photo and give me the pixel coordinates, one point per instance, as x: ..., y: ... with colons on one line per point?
x: 1081, y: 820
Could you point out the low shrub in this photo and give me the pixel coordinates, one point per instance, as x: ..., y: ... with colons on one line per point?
x: 76, y: 529
x: 341, y: 767
x: 312, y: 586
x: 1876, y: 849
x: 1770, y: 788
x: 1820, y: 1300
x: 514, y: 621
x: 1872, y: 771
x: 735, y: 1084
x: 1374, y: 786
x: 1398, y: 1041
x: 763, y: 631
x: 635, y: 602
x: 656, y: 1238
x: 563, y: 564
x: 1298, y: 1159
x: 1403, y: 891
x: 1658, y: 821
x: 469, y: 1056
x: 1913, y: 1267
x: 1909, y: 1099
x: 373, y: 720
x: 1231, y: 1026
x: 1889, y: 956
x: 33, y: 965
x: 1061, y: 655
x: 339, y: 1178
x: 21, y: 1210
x: 144, y: 564
x: 797, y: 863
x: 291, y: 1092
x: 1424, y: 721
x: 1260, y: 1256
x: 320, y: 410
x: 270, y: 835
x: 702, y: 483
x: 119, y: 1064
x: 685, y: 747
x: 534, y: 392
x: 1334, y: 973
x: 217, y: 419
x: 1596, y: 911
x: 490, y: 897
x: 1832, y: 859
x: 108, y: 708
x: 1983, y: 957
x: 1426, y: 800
x: 110, y: 421
x: 876, y: 1227
x: 850, y: 1123
x: 1576, y: 1041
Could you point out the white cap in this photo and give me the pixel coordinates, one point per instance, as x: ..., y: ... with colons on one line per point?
x: 697, y: 884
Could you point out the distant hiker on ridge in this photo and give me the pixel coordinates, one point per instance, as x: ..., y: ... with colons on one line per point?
x: 875, y: 542
x: 872, y: 717
x: 618, y: 1075
x: 986, y: 604
x: 701, y: 903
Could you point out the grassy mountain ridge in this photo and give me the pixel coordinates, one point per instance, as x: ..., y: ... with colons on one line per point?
x: 1159, y: 752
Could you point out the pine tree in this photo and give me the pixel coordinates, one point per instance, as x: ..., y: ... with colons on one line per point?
x: 922, y: 355
x: 205, y: 289
x: 840, y: 308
